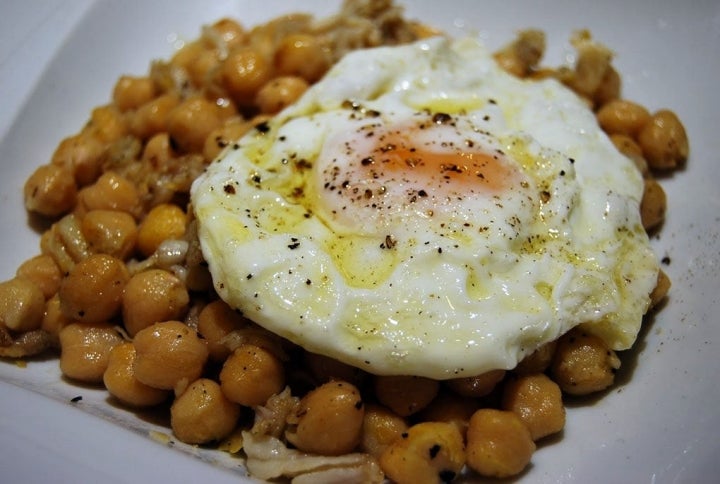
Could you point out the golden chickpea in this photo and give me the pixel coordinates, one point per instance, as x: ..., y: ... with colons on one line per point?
x: 451, y: 408
x: 405, y: 395
x: 110, y: 192
x: 302, y: 55
x: 215, y: 321
x: 22, y: 305
x: 158, y: 150
x: 664, y: 141
x: 498, y: 443
x: 166, y: 221
x: 50, y: 190
x: 628, y: 147
x: 203, y: 66
x: 151, y: 118
x: 381, y: 427
x: 119, y: 379
x: 661, y: 288
x: 279, y: 93
x: 54, y: 320
x: 476, y: 386
x: 191, y: 122
x: 223, y: 136
x: 251, y: 375
x: 92, y: 292
x: 44, y: 272
x: 329, y: 420
x: 152, y: 296
x: 107, y: 124
x: 429, y: 452
x: 169, y: 354
x: 623, y: 117
x: 537, y: 361
x: 110, y: 232
x: 243, y: 73
x: 82, y: 154
x: 537, y: 400
x: 230, y: 31
x: 653, y: 204
x: 85, y: 350
x: 132, y: 92
x: 583, y: 363
x: 202, y: 414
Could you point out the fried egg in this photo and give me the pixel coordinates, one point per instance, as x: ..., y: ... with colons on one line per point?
x: 421, y: 212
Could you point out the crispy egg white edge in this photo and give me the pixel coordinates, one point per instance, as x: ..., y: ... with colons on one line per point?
x: 342, y: 324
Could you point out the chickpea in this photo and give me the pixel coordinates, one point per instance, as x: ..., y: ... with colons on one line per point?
x: 132, y: 92
x: 85, y: 350
x: 329, y: 420
x: 158, y: 150
x: 223, y: 136
x: 405, y: 395
x: 166, y: 221
x: 191, y: 122
x: 54, y: 320
x: 44, y: 272
x: 215, y: 321
x: 22, y: 305
x: 653, y: 204
x: 663, y: 141
x: 92, y: 292
x: 381, y: 427
x: 202, y: 414
x: 628, y: 147
x: 50, y: 190
x: 498, y: 443
x: 107, y: 124
x: 537, y: 361
x: 152, y: 296
x: 169, y: 354
x: 623, y: 117
x: 661, y: 288
x: 203, y: 66
x: 251, y: 375
x: 243, y: 73
x: 302, y: 55
x: 119, y: 379
x: 110, y: 232
x: 452, y: 408
x: 279, y: 93
x: 476, y: 386
x: 152, y: 117
x: 231, y: 32
x: 583, y: 363
x: 110, y: 192
x: 82, y: 154
x: 429, y: 452
x: 537, y: 400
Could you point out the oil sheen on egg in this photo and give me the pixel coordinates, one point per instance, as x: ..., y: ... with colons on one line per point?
x: 421, y: 212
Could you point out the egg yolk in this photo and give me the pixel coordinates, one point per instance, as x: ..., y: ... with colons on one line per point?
x: 418, y: 167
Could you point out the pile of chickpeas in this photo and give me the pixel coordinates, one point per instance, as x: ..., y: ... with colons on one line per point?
x: 120, y: 287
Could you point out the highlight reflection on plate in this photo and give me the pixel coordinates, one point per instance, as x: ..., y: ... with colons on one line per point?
x: 658, y: 424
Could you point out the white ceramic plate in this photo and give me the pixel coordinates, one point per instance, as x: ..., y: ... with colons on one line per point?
x: 60, y: 58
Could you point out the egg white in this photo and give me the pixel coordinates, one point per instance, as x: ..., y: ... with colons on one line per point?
x: 428, y: 277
